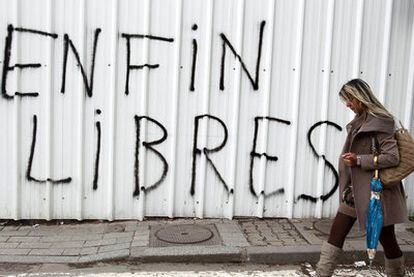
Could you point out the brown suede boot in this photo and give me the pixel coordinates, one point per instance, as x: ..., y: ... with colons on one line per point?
x: 394, y: 267
x: 330, y: 255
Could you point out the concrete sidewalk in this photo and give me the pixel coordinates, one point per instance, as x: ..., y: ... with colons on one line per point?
x: 273, y: 241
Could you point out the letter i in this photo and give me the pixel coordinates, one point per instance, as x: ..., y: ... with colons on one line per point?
x: 98, y: 151
x: 193, y: 67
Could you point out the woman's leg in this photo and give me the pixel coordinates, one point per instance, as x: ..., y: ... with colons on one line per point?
x: 394, y: 260
x: 332, y: 249
x: 389, y: 242
x: 340, y: 228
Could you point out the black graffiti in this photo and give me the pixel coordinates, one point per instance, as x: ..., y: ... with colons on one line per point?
x: 29, y: 176
x: 69, y: 43
x: 254, y: 154
x: 255, y: 81
x: 327, y: 163
x: 6, y: 62
x: 207, y: 152
x: 38, y: 32
x: 27, y: 65
x: 98, y: 152
x: 193, y: 66
x: 130, y: 67
x: 148, y: 145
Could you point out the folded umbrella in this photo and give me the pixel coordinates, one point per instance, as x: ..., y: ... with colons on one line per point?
x: 375, y: 216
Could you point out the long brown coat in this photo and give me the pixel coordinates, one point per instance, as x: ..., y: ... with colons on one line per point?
x: 393, y: 196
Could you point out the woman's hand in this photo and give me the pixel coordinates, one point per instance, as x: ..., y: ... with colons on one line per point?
x: 350, y: 159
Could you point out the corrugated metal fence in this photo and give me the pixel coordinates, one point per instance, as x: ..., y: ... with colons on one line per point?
x: 182, y: 108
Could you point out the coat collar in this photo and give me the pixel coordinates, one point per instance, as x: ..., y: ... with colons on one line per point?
x: 374, y: 124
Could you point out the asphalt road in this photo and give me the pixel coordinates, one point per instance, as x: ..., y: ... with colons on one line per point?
x: 165, y: 269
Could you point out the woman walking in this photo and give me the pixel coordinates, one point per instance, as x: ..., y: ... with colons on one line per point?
x: 356, y: 168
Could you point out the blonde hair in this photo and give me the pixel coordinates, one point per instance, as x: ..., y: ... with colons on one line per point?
x: 360, y: 90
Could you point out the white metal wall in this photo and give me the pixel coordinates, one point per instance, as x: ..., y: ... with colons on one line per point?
x: 189, y: 108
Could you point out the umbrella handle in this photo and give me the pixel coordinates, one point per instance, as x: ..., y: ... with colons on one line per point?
x: 376, y: 174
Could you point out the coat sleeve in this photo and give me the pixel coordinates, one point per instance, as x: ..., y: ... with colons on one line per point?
x: 389, y: 155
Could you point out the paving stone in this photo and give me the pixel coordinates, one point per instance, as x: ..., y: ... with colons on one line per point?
x: 46, y: 252
x: 131, y: 228
x: 40, y: 233
x: 305, y: 228
x: 142, y: 233
x: 231, y: 235
x: 71, y: 252
x: 68, y: 244
x: 24, y: 228
x: 23, y: 239
x: 14, y: 251
x: 11, y: 228
x: 33, y: 245
x: 99, y: 242
x: 8, y: 245
x: 55, y: 238
x: 276, y: 243
x: 87, y: 237
x: 130, y: 223
x: 113, y: 247
x: 88, y: 250
x: 14, y: 233
x: 118, y: 235
x: 4, y: 239
x: 255, y: 237
x: 124, y: 253
x: 146, y: 237
x: 270, y: 239
x: 84, y: 230
x: 289, y: 239
x: 139, y: 243
x: 123, y: 240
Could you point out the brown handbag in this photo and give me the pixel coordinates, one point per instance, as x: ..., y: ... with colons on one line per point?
x: 405, y: 143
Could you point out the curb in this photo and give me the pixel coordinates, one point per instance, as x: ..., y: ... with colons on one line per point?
x: 198, y: 254
x: 213, y: 254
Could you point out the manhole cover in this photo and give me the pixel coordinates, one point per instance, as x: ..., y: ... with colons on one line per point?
x: 324, y: 226
x: 184, y: 234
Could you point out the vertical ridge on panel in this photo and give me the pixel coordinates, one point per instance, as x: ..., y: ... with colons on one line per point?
x: 295, y: 112
x: 385, y: 50
x: 144, y: 110
x: 198, y: 197
x: 358, y: 43
x: 410, y: 85
x: 201, y: 178
x: 48, y: 115
x: 409, y: 106
x: 235, y: 129
x: 358, y: 39
x: 324, y: 107
x: 266, y: 109
x: 81, y: 112
x: 176, y: 95
x: 113, y: 104
x: 17, y: 136
x: 206, y: 85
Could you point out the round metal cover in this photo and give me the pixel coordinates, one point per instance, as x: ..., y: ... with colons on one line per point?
x: 184, y: 234
x: 324, y: 226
